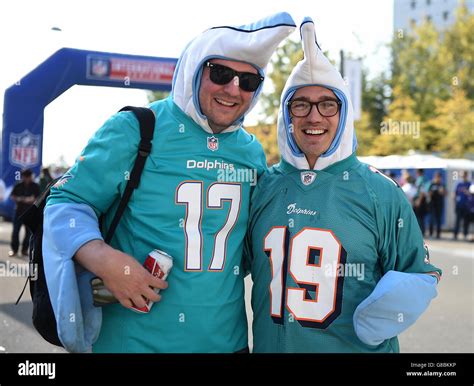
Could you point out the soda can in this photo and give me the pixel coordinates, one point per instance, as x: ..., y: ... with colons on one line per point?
x: 159, y: 264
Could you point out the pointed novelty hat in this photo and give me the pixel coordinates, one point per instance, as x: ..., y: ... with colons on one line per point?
x: 316, y: 70
x: 253, y: 44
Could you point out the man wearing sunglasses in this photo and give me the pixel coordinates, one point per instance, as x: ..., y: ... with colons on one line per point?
x: 183, y: 206
x: 336, y: 255
x: 226, y: 94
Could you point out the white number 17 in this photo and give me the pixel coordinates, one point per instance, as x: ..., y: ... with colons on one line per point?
x: 190, y: 193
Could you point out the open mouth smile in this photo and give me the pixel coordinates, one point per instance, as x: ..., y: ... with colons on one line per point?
x: 225, y: 103
x: 315, y: 131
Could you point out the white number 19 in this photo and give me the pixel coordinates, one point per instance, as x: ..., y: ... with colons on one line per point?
x: 322, y: 276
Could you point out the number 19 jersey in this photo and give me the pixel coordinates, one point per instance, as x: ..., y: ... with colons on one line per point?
x: 319, y: 241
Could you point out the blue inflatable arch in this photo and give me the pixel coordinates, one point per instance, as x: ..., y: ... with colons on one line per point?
x: 25, y: 101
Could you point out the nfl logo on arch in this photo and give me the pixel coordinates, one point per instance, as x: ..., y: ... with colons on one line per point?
x: 24, y: 149
x: 212, y: 143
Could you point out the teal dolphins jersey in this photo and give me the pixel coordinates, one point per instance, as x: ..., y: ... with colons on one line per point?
x: 192, y: 203
x: 319, y: 241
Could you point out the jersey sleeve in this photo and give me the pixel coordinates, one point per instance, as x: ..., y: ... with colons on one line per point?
x: 100, y: 173
x: 261, y: 163
x: 401, y: 243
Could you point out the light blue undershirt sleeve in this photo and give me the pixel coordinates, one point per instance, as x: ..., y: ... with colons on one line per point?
x: 66, y: 228
x: 396, y: 302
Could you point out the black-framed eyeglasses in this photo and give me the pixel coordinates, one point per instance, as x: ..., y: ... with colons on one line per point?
x: 301, y: 108
x: 221, y: 75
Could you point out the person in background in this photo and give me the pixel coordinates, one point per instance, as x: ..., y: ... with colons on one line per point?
x: 420, y: 202
x: 409, y: 188
x: 471, y: 207
x: 404, y: 176
x: 461, y: 197
x: 436, y: 193
x: 45, y: 179
x: 23, y: 194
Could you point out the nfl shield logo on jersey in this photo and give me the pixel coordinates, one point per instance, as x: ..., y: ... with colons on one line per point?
x: 212, y: 143
x: 307, y: 178
x: 24, y: 149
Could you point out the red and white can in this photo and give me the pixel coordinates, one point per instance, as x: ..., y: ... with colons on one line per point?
x: 159, y: 263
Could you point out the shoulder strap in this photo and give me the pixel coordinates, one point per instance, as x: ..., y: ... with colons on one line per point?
x: 146, y: 118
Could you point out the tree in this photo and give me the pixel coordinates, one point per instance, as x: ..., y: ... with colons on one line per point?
x: 458, y: 46
x: 375, y: 98
x: 282, y: 63
x: 401, y: 129
x: 365, y: 134
x: 374, y: 108
x: 419, y: 70
x: 267, y: 136
x: 157, y: 95
x: 432, y: 82
x: 455, y: 124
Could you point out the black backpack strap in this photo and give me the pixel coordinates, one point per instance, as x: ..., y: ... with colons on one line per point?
x: 146, y: 118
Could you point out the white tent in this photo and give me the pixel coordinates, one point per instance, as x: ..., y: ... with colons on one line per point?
x: 418, y: 161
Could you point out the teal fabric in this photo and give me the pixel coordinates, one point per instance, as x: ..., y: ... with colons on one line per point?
x: 202, y: 310
x: 351, y: 206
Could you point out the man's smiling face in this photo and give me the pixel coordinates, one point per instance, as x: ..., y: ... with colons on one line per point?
x: 314, y: 133
x: 224, y: 104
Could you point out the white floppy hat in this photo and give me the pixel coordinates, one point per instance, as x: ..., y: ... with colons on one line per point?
x: 253, y: 44
x: 316, y: 70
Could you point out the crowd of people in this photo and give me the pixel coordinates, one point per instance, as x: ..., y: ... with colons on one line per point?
x: 428, y: 199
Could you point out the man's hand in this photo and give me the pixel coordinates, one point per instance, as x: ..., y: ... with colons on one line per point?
x: 128, y: 281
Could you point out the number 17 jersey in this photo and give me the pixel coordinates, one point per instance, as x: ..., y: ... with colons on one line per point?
x: 192, y: 203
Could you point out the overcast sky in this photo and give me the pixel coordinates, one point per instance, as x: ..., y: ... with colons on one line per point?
x: 158, y: 28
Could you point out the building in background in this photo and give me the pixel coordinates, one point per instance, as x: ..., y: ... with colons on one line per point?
x: 442, y: 13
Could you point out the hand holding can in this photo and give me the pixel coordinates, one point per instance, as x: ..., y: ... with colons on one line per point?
x: 159, y: 264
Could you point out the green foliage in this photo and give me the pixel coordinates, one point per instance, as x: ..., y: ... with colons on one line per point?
x: 267, y: 136
x: 283, y: 60
x: 432, y: 83
x: 459, y: 47
x: 454, y: 123
x: 419, y: 69
x: 365, y: 134
x: 430, y: 89
x: 157, y: 95
x: 401, y: 130
x: 375, y: 98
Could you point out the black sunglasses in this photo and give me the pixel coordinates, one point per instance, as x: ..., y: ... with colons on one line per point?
x: 221, y: 75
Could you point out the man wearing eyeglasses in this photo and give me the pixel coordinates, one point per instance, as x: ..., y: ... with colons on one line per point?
x: 337, y: 258
x: 184, y: 206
